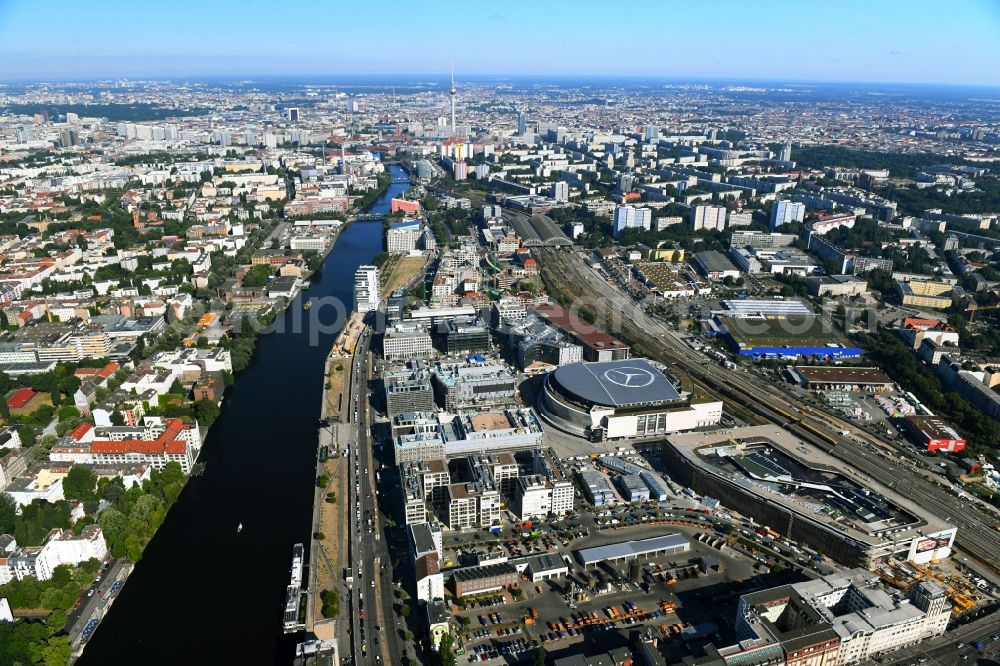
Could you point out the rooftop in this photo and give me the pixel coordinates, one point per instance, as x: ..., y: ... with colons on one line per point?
x: 617, y: 383
x: 632, y: 548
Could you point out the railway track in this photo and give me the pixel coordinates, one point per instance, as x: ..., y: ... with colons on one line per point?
x: 567, y: 275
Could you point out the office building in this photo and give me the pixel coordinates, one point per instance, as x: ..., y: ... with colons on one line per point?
x: 408, y: 391
x: 366, y: 288
x: 407, y: 341
x: 473, y: 385
x: 838, y: 619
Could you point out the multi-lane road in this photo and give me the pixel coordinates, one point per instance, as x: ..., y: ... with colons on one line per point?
x: 864, y: 450
x: 374, y: 632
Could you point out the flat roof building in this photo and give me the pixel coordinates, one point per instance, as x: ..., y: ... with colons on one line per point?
x: 840, y: 378
x: 781, y: 481
x: 933, y: 433
x: 715, y: 265
x: 667, y: 544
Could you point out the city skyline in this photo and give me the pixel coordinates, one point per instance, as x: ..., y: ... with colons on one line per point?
x: 738, y: 41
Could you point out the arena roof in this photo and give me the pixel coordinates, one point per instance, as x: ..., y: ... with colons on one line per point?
x: 617, y: 383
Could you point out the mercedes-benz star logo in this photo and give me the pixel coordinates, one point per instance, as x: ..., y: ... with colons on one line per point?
x: 629, y: 376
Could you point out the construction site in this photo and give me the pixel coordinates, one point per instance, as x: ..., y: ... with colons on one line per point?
x: 961, y: 587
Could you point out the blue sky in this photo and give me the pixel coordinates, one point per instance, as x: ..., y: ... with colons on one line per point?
x: 913, y: 41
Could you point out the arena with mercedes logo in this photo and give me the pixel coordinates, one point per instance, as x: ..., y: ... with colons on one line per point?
x: 629, y: 398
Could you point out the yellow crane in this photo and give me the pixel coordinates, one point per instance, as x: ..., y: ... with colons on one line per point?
x: 973, y: 310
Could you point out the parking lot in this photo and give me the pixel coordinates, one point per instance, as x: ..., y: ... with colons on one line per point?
x: 591, y: 603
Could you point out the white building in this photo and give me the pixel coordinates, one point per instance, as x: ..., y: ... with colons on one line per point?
x: 708, y: 217
x: 406, y: 342
x: 630, y: 217
x: 430, y: 580
x: 741, y: 218
x: 156, y: 441
x: 366, y: 288
x: 403, y: 238
x: 866, y: 619
x: 536, y: 496
x: 61, y: 547
x: 560, y: 191
x: 786, y: 212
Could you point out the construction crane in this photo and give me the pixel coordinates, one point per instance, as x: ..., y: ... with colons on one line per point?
x: 973, y: 310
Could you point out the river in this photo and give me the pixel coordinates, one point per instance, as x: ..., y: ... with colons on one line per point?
x: 201, y: 592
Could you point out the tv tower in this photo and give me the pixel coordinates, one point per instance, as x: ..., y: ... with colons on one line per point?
x: 453, y: 93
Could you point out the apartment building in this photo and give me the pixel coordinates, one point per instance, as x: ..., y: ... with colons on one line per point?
x: 923, y: 294
x: 708, y: 217
x: 60, y: 547
x: 786, y: 212
x: 630, y: 217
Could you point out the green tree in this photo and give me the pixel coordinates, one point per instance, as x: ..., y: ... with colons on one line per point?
x: 67, y: 413
x: 144, y: 508
x: 113, y: 523
x: 205, y: 411
x: 69, y: 384
x: 112, y: 490
x: 446, y: 653
x: 8, y: 513
x: 540, y: 656
x: 79, y: 484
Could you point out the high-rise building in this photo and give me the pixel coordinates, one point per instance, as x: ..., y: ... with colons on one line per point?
x: 708, y: 217
x: 366, y: 294
x: 785, y: 212
x: 630, y: 217
x: 652, y: 132
x: 69, y: 137
x: 560, y: 191
x: 522, y: 123
x: 293, y: 114
x: 786, y: 152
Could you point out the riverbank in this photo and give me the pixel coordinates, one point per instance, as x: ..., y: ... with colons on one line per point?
x: 260, y: 470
